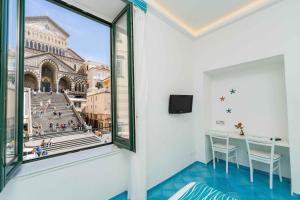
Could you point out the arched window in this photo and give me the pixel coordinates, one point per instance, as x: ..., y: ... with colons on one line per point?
x: 31, y: 44
x: 35, y: 45
x: 43, y: 47
x: 82, y: 88
x: 79, y: 85
x: 75, y: 86
x: 53, y: 50
x: 59, y: 52
x: 46, y: 48
x: 62, y: 52
x: 50, y: 49
x: 39, y: 46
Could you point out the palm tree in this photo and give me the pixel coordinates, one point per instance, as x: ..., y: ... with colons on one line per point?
x: 99, y: 85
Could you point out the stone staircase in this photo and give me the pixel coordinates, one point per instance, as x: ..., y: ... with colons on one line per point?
x: 62, y: 140
x: 58, y: 104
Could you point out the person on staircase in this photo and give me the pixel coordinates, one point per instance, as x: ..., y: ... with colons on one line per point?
x: 49, y: 102
x: 79, y: 125
x: 50, y: 142
x: 51, y: 126
x: 57, y: 127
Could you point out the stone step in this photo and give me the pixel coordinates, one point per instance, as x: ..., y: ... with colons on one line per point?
x: 49, y: 135
x: 73, y: 143
x: 47, y: 115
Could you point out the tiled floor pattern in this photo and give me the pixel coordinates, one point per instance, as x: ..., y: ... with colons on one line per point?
x: 236, y: 183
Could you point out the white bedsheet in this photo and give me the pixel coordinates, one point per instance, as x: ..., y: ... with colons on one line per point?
x: 183, y: 190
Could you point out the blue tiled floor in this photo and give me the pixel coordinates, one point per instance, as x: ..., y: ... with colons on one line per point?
x: 236, y: 183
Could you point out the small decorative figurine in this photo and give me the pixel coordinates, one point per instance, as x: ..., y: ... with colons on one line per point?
x: 240, y: 126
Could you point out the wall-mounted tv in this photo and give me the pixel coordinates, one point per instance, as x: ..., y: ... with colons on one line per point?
x: 180, y: 104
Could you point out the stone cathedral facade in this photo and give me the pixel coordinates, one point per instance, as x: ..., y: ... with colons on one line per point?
x: 49, y: 63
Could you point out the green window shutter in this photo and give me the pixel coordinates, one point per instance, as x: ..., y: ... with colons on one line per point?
x: 11, y: 88
x: 3, y: 5
x: 123, y: 83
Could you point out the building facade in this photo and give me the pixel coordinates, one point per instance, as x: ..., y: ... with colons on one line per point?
x: 98, y: 109
x: 49, y: 63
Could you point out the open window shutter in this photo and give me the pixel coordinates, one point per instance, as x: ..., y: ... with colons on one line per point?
x: 11, y: 87
x: 123, y: 80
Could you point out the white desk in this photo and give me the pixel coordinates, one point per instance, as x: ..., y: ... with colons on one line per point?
x: 282, y: 148
x: 236, y: 135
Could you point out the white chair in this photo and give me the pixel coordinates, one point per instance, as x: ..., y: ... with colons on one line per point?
x: 261, y: 149
x: 220, y: 144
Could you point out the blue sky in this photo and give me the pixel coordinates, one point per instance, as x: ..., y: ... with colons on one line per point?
x: 90, y: 39
x: 12, y: 30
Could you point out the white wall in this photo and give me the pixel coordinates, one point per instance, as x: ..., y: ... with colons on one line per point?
x: 269, y: 32
x: 169, y: 62
x: 259, y: 102
x: 100, y: 178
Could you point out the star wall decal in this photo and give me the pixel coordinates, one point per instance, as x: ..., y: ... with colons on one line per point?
x: 232, y: 91
x: 228, y: 110
x: 222, y: 98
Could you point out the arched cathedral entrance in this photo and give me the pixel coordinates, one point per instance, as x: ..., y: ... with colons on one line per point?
x: 48, y: 78
x: 30, y: 81
x: 64, y: 84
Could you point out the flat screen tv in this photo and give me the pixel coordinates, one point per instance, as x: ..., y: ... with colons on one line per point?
x: 180, y: 104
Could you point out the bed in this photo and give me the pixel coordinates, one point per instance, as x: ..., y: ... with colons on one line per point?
x: 199, y: 191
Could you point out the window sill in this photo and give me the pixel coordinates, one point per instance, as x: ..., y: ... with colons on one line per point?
x: 60, y: 162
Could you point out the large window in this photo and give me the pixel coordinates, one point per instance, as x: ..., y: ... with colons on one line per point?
x: 59, y: 116
x: 71, y: 74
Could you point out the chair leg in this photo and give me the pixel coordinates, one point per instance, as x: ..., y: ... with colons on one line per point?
x: 236, y: 159
x: 214, y: 162
x: 271, y: 176
x: 279, y: 171
x: 227, y: 163
x: 251, y: 171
